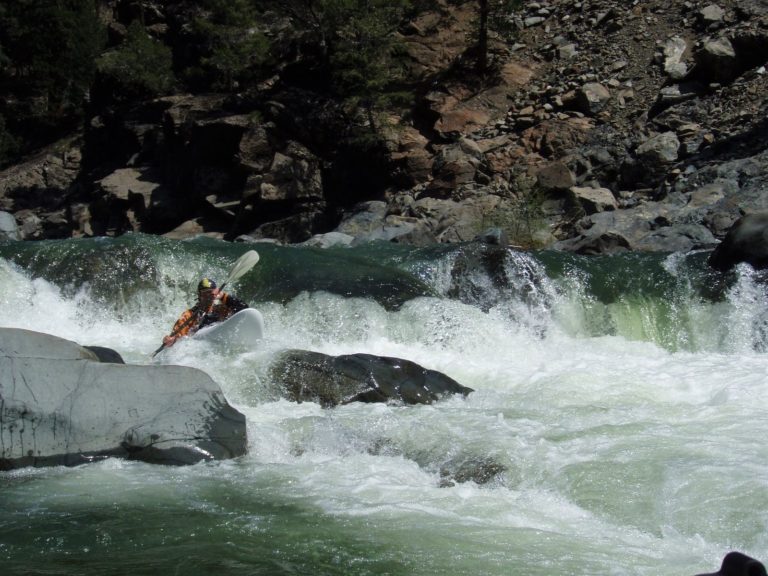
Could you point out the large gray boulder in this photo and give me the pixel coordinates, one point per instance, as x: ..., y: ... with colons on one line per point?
x: 332, y: 380
x: 60, y: 406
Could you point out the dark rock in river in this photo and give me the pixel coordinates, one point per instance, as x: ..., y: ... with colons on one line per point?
x: 746, y: 241
x: 478, y: 470
x: 59, y: 405
x: 738, y: 564
x: 106, y: 354
x: 333, y: 380
x: 487, y: 275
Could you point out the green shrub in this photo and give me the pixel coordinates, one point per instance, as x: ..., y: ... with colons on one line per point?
x: 229, y: 44
x: 141, y: 67
x: 522, y: 217
x: 47, y: 62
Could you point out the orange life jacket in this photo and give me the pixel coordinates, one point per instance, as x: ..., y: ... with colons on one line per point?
x: 197, y: 317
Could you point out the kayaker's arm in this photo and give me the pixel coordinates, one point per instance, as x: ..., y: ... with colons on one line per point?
x: 183, y: 327
x: 233, y: 303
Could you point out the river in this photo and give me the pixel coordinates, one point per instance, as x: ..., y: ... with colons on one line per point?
x: 623, y: 399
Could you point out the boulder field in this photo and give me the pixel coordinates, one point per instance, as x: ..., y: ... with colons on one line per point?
x: 602, y: 126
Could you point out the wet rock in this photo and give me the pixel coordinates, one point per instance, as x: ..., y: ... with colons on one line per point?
x: 62, y: 406
x: 488, y: 275
x: 115, y: 272
x: 470, y: 469
x: 746, y: 241
x: 738, y: 564
x: 333, y: 380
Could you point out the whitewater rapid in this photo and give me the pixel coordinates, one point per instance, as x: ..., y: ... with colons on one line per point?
x: 630, y: 433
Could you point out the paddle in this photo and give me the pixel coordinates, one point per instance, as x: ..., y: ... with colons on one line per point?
x: 243, y: 265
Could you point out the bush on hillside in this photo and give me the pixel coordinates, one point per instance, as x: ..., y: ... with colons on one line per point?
x: 47, y: 62
x: 141, y: 67
x: 228, y: 43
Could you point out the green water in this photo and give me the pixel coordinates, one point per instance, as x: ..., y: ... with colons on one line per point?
x: 621, y: 398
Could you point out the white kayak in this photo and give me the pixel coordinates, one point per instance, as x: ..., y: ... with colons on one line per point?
x: 241, y: 330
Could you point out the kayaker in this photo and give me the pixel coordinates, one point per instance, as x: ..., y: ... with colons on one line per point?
x: 212, y: 306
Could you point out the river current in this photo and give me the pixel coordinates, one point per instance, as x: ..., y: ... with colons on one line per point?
x: 622, y: 398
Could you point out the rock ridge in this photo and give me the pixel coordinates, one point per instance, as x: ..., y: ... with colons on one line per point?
x: 602, y: 127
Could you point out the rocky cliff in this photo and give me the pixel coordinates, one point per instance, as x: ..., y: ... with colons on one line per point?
x: 601, y: 126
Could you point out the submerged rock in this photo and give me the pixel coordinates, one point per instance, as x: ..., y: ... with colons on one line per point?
x: 480, y: 470
x: 59, y: 405
x: 332, y: 380
x: 486, y: 275
x: 315, y: 270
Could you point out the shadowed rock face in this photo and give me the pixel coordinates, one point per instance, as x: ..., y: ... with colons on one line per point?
x: 60, y: 406
x: 638, y: 106
x: 332, y: 380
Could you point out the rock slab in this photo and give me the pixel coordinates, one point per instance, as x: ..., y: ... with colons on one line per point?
x: 332, y: 380
x: 59, y: 405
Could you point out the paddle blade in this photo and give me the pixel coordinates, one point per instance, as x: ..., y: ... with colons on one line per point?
x: 243, y: 265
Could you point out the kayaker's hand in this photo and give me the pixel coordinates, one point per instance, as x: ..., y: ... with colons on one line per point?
x: 169, y: 341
